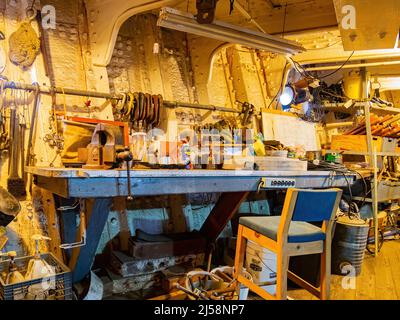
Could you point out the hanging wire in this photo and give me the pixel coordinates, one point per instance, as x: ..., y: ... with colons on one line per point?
x: 340, y: 68
x: 280, y: 86
x: 284, y: 21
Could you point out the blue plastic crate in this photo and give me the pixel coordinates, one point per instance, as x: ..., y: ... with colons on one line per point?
x: 57, y: 287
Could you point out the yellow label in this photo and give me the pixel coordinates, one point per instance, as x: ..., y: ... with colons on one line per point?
x: 2, y: 231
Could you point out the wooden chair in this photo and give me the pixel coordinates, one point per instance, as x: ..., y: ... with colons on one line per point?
x: 291, y: 234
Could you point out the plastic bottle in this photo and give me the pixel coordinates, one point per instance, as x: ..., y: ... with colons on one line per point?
x: 39, y: 268
x: 13, y: 276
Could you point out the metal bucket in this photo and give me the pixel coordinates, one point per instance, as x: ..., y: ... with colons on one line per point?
x: 348, y: 246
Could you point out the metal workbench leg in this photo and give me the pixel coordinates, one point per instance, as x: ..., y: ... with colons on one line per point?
x: 226, y: 206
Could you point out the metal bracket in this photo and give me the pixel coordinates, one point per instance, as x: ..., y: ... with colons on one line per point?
x: 82, y: 229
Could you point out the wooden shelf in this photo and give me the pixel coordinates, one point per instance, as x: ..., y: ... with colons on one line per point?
x: 358, y: 105
x: 364, y: 153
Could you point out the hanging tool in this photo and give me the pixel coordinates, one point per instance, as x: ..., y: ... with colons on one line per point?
x: 22, y: 129
x: 15, y: 184
x: 30, y: 155
x: 248, y: 111
x: 42, y: 38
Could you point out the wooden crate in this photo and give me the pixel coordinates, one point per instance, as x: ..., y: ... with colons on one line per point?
x: 355, y: 143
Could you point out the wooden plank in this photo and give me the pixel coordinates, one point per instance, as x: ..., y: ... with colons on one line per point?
x: 365, y: 283
x: 114, y: 187
x: 176, y: 214
x: 58, y: 187
x: 384, y: 279
x: 53, y: 226
x: 226, y: 206
x: 82, y: 258
x: 304, y: 284
x: 394, y: 261
x: 377, y: 277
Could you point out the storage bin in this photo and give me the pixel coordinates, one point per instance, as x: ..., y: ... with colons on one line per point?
x: 260, y: 263
x: 56, y: 287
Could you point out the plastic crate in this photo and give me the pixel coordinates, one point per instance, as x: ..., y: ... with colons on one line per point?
x: 56, y: 287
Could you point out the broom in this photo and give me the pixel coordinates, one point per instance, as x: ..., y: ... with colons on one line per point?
x: 15, y: 184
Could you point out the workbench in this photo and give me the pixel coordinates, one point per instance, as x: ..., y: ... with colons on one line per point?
x: 103, y: 185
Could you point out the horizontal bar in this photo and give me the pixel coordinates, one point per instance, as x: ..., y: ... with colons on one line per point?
x: 226, y: 32
x: 148, y: 186
x: 103, y: 95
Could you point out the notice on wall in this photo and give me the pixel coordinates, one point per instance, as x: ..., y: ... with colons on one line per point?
x: 290, y: 130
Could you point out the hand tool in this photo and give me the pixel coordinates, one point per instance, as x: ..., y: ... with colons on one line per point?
x: 15, y: 184
x: 30, y: 155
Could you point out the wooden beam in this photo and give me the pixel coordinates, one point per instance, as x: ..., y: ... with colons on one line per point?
x: 53, y: 227
x: 226, y: 206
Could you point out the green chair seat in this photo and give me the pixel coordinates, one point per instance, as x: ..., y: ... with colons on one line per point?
x: 299, y: 231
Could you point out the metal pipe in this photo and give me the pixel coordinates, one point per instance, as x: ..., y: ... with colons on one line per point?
x: 171, y: 104
x: 103, y: 95
x: 59, y: 90
x: 247, y: 15
x: 355, y: 65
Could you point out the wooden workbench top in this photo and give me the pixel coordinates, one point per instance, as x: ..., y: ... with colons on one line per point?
x: 159, y: 173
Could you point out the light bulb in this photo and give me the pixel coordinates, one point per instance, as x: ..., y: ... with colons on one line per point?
x: 287, y: 96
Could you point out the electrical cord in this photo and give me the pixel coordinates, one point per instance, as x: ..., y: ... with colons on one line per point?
x: 340, y: 68
x: 304, y: 73
x: 280, y: 86
x: 353, y: 210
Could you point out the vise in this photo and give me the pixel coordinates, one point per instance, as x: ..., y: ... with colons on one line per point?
x: 101, y: 153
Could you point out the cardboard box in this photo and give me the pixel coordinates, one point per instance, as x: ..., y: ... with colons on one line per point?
x: 355, y: 143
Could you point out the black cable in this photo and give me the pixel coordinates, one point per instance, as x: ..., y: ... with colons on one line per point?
x: 341, y: 169
x: 340, y: 68
x: 280, y: 86
x: 284, y: 22
x: 365, y: 187
x: 304, y: 72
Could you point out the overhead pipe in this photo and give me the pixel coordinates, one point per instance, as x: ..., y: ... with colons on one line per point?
x: 355, y: 65
x: 103, y: 95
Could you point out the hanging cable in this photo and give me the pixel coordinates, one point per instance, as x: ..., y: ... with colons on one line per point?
x: 280, y: 86
x: 340, y: 68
